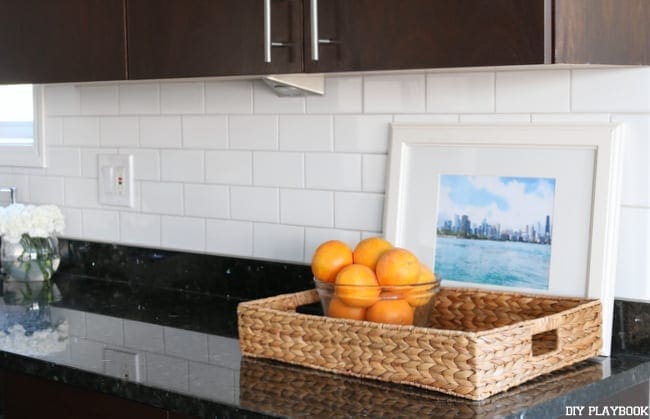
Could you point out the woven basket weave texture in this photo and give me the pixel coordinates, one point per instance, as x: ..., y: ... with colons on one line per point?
x: 479, y: 343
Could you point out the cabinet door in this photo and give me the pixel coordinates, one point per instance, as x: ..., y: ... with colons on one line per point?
x: 389, y: 34
x: 190, y: 38
x: 64, y: 40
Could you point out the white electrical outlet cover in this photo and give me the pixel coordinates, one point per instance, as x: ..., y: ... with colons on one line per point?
x: 115, y: 179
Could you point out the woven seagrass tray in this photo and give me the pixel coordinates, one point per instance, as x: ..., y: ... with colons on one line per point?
x: 478, y: 342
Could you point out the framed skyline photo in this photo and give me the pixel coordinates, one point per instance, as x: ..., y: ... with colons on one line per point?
x: 526, y: 208
x: 495, y: 230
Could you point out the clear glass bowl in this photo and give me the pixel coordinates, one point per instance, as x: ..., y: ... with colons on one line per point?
x: 394, y: 304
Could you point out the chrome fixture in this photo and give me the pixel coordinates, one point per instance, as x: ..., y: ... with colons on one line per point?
x: 268, y: 43
x: 12, y: 193
x: 315, y: 40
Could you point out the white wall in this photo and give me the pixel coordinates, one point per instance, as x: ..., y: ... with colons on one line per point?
x: 226, y: 167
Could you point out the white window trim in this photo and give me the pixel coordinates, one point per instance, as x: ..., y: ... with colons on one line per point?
x: 32, y: 155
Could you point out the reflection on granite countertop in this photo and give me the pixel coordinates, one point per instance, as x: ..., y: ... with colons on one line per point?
x: 189, y: 361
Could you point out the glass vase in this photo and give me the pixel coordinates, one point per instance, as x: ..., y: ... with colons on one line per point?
x: 32, y: 259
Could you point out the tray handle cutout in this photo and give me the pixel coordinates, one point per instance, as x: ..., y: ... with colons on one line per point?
x: 545, y: 340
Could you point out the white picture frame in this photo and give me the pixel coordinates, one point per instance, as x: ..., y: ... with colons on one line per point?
x: 585, y: 161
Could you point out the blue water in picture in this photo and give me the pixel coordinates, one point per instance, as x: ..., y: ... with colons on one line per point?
x: 506, y: 263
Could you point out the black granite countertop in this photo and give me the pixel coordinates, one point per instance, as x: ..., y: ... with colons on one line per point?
x: 185, y: 356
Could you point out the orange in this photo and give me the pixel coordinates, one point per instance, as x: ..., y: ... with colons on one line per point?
x: 356, y: 285
x: 390, y: 311
x: 369, y: 250
x: 340, y: 310
x: 420, y: 295
x: 397, y: 267
x: 329, y: 258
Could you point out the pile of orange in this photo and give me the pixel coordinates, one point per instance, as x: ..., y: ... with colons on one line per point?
x: 376, y: 281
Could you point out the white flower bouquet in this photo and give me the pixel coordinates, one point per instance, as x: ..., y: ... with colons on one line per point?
x: 18, y: 220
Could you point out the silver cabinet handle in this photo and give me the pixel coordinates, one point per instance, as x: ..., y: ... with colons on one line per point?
x: 315, y: 40
x: 268, y: 43
x: 267, y: 31
x: 314, y: 30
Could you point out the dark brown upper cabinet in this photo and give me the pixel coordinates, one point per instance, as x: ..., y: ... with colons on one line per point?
x: 602, y: 32
x: 64, y: 40
x: 387, y: 34
x: 191, y: 38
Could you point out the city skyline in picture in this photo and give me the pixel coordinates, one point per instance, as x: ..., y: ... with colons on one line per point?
x: 495, y: 230
x: 496, y: 208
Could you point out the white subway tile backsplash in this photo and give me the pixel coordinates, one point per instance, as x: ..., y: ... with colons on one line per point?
x: 183, y: 233
x: 118, y: 131
x: 374, y: 173
x: 343, y: 94
x: 277, y: 241
x: 62, y: 99
x: 182, y: 166
x: 210, y: 131
x: 139, y: 98
x: 160, y: 132
x: 146, y: 163
x: 460, y: 92
x: 46, y: 190
x: 611, y: 90
x: 266, y: 101
x: 633, y: 267
x: 162, y: 198
x: 570, y: 118
x: 229, y: 237
x: 278, y: 169
x: 73, y: 227
x: 229, y: 97
x: 98, y: 100
x: 181, y: 97
x: 403, y: 93
x: 306, y: 133
x: 306, y: 207
x: 89, y: 160
x: 358, y: 211
x: 367, y: 133
x: 533, y: 91
x: 314, y: 237
x: 254, y: 132
x: 63, y: 161
x: 636, y: 158
x: 82, y: 131
x: 334, y: 171
x: 231, y: 167
x: 53, y: 130
x: 496, y: 118
x: 140, y: 229
x: 81, y: 192
x: 323, y: 158
x: 254, y: 204
x: 101, y: 225
x: 426, y: 118
x: 209, y: 201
